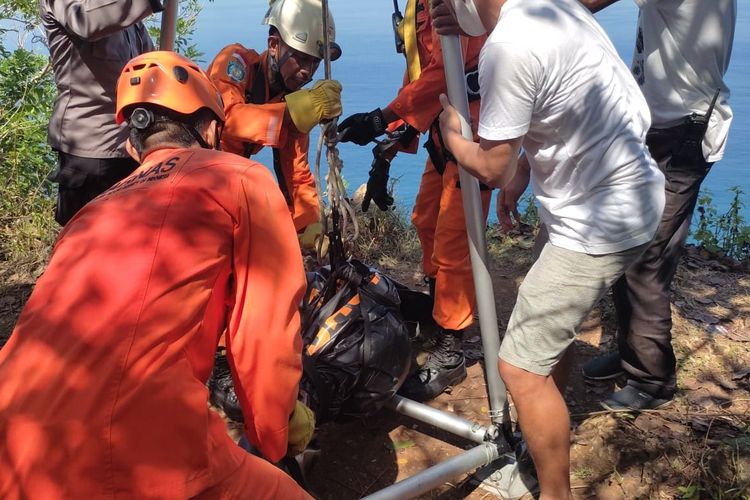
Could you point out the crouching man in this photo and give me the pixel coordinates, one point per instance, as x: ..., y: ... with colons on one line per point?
x: 551, y: 81
x: 102, y: 384
x: 266, y: 104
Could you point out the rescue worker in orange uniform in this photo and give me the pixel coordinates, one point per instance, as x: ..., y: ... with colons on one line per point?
x: 265, y: 104
x: 102, y: 383
x: 438, y: 212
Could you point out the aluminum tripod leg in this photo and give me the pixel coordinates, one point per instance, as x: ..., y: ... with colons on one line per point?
x: 502, y: 477
x: 442, y: 420
x: 436, y: 475
x: 506, y: 480
x: 475, y: 228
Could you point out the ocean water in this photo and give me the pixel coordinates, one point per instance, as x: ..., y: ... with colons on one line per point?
x: 371, y: 72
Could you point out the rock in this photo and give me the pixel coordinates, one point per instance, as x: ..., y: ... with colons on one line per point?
x: 359, y: 195
x: 702, y: 317
x: 703, y: 300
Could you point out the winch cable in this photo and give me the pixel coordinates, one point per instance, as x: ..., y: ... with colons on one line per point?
x: 341, y: 211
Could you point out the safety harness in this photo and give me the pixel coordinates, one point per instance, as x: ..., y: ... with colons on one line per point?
x: 257, y: 94
x: 405, y: 32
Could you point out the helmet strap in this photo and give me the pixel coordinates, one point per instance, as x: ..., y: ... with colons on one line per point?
x: 199, y: 138
x: 275, y: 68
x: 219, y: 131
x: 143, y: 118
x: 289, y: 53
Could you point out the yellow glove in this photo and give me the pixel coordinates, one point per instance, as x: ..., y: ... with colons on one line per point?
x: 301, y: 428
x: 309, y: 107
x: 309, y: 237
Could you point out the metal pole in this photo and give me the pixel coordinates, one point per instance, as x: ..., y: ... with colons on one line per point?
x: 168, y: 25
x: 436, y: 475
x: 442, y: 420
x: 326, y: 42
x: 475, y: 228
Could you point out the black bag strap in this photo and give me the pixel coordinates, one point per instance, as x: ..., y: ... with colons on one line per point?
x: 256, y: 94
x: 309, y: 362
x: 294, y: 471
x: 322, y: 390
x: 327, y: 307
x: 352, y: 275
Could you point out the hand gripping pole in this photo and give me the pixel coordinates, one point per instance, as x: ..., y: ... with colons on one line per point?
x: 505, y: 477
x: 475, y: 228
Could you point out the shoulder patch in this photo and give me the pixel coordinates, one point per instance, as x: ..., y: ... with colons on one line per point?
x: 236, y: 69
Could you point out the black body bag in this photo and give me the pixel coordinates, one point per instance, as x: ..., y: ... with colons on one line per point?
x: 357, y: 343
x: 357, y: 326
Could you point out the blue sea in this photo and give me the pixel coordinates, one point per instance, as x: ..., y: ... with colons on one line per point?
x: 371, y: 72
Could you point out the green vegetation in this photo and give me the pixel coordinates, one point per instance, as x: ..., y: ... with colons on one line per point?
x: 26, y: 94
x: 726, y: 234
x: 386, y: 238
x: 689, y: 492
x: 27, y: 91
x: 528, y: 209
x: 583, y: 473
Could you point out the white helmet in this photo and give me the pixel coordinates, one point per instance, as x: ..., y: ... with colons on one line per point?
x: 300, y: 25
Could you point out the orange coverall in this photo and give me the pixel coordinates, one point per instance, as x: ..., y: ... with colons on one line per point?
x: 438, y: 212
x: 102, y: 383
x: 256, y: 119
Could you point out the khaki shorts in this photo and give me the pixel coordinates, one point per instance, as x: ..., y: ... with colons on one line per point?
x: 558, y: 293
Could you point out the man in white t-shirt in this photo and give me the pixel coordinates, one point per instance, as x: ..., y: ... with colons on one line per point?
x: 551, y: 81
x: 682, y: 52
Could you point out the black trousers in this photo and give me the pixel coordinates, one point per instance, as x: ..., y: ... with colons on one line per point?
x: 80, y: 180
x: 642, y: 295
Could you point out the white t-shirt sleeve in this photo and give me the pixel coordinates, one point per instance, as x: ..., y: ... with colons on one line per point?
x: 508, y: 76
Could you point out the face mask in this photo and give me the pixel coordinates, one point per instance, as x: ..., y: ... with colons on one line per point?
x: 468, y: 18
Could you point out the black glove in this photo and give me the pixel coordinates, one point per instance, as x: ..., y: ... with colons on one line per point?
x: 361, y: 128
x: 377, y: 185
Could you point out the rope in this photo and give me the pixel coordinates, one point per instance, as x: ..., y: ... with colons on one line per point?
x: 343, y: 218
x: 340, y: 208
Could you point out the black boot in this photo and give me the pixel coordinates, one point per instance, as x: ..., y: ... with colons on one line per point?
x: 431, y: 285
x: 221, y: 389
x: 445, y: 366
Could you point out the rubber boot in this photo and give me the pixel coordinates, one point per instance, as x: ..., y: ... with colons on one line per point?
x: 445, y: 366
x: 221, y: 389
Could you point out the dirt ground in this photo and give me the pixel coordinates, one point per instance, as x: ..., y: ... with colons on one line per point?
x: 697, y: 447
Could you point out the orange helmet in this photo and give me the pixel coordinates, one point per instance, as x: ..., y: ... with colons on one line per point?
x: 168, y: 80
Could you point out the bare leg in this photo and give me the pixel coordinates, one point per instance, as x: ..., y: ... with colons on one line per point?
x: 562, y: 370
x: 544, y: 416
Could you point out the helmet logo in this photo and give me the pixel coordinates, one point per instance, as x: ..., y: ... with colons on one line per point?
x: 301, y: 37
